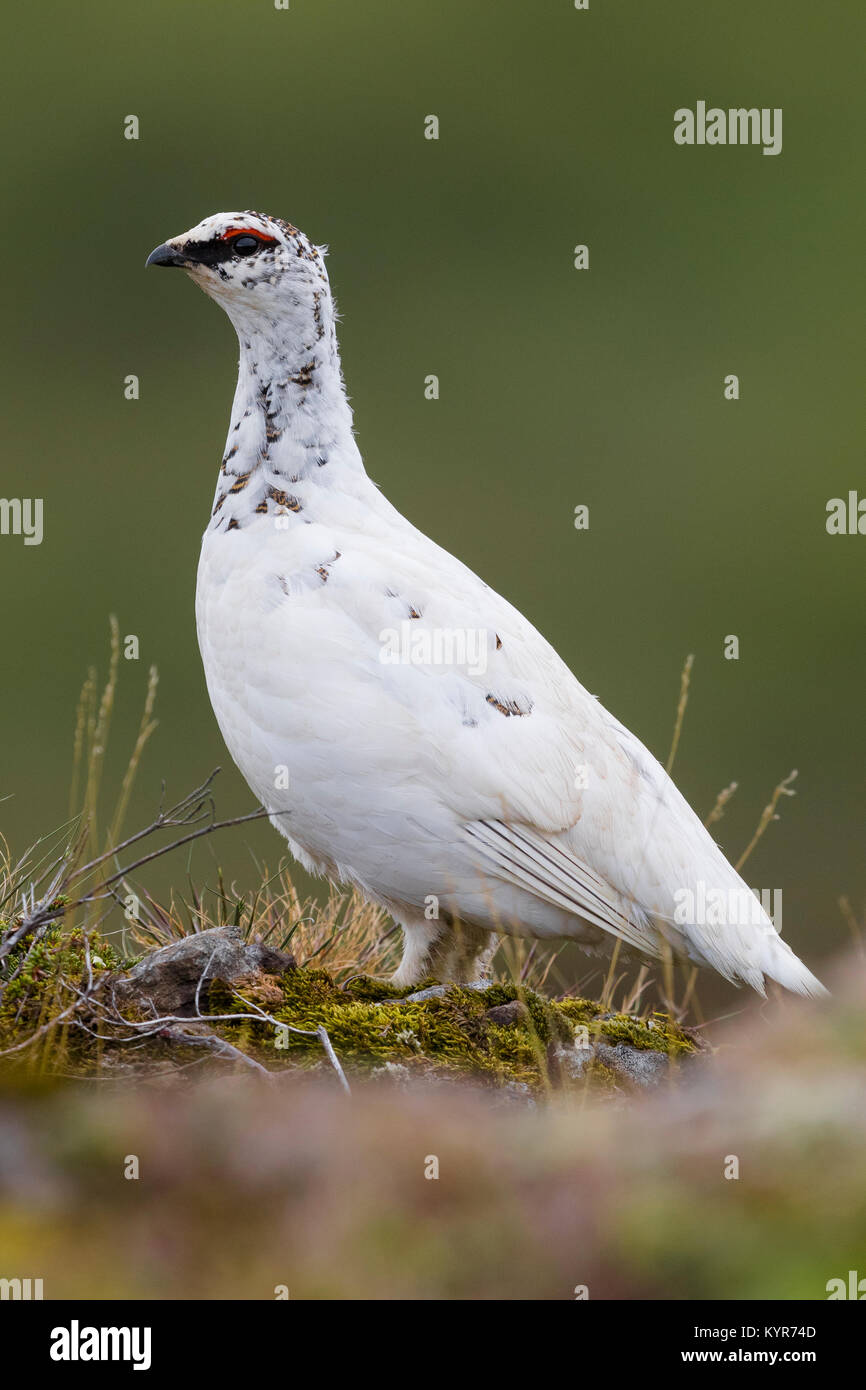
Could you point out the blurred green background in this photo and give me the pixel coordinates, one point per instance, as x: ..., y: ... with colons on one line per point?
x: 558, y: 387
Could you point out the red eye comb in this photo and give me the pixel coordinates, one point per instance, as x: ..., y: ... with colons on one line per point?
x: 246, y: 231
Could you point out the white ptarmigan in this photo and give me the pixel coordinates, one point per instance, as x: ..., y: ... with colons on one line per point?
x: 439, y: 755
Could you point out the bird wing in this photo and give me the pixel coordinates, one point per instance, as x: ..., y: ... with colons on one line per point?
x: 504, y: 753
x: 528, y: 860
x: 553, y: 793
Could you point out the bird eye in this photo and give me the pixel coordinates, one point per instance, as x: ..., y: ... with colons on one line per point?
x: 246, y: 245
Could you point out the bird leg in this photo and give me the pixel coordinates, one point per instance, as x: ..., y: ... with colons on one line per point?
x: 453, y: 952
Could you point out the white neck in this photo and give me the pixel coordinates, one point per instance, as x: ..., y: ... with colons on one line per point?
x: 291, y: 425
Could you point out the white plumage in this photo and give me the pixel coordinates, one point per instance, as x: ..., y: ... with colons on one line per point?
x: 439, y: 755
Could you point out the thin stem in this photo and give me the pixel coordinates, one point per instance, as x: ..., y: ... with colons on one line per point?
x: 685, y: 680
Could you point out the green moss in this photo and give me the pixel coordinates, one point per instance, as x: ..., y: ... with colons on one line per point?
x: 659, y: 1032
x: 366, y: 1030
x: 371, y: 1023
x: 601, y: 1077
x: 368, y: 987
x: 36, y: 991
x: 44, y: 974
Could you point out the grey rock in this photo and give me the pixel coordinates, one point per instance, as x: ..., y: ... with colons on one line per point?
x: 168, y: 978
x: 439, y: 991
x: 507, y: 1015
x: 640, y: 1066
x: 572, y: 1060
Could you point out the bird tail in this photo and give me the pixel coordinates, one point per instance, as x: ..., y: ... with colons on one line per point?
x: 779, y: 963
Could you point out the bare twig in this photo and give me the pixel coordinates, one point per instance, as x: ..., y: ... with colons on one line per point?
x: 722, y: 800
x: 685, y: 680
x: 167, y: 1026
x: 41, y: 913
x: 146, y: 728
x: 42, y: 1030
x: 216, y: 1044
x: 322, y: 1034
x: 187, y: 811
x: 768, y: 814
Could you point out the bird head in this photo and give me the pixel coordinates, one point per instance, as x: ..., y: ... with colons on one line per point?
x: 252, y: 264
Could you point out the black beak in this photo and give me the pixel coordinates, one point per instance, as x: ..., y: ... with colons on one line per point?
x: 165, y: 255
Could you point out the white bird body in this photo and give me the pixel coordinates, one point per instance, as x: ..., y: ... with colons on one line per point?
x: 408, y: 730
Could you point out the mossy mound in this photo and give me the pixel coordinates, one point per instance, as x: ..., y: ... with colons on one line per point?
x: 504, y: 1036
x: 457, y: 1031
